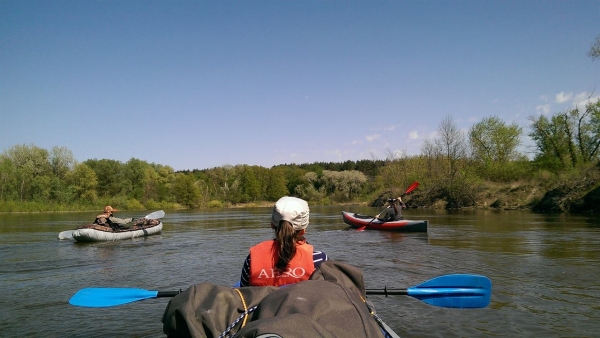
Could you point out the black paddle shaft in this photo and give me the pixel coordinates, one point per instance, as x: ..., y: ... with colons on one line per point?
x: 168, y: 293
x: 386, y: 292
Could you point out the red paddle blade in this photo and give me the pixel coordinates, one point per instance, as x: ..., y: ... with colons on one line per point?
x: 411, y: 188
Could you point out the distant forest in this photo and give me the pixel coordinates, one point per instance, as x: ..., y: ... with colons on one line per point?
x: 452, y: 167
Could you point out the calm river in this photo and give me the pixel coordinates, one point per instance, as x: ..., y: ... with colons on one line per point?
x: 544, y: 269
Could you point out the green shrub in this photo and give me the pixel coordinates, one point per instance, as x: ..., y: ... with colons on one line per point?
x: 134, y: 204
x: 214, y: 204
x: 152, y: 205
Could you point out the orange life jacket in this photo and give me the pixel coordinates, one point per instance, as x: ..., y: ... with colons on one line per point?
x: 263, y: 257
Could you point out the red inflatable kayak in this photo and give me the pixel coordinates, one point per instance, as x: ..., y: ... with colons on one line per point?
x: 359, y: 221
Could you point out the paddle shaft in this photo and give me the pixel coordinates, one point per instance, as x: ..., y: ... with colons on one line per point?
x: 371, y: 292
x: 167, y: 293
x: 380, y: 213
x: 387, y: 292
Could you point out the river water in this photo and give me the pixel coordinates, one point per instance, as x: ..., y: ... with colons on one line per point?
x: 544, y: 269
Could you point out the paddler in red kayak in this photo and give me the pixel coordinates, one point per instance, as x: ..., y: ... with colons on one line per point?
x: 394, y: 210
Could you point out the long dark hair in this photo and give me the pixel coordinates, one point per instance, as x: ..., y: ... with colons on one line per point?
x: 286, y: 237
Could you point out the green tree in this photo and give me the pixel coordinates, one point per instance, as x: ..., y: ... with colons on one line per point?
x: 447, y: 168
x: 223, y: 183
x: 62, y: 161
x: 307, y: 189
x: 250, y: 183
x: 354, y: 182
x: 492, y: 140
x: 29, y: 162
x: 276, y: 185
x: 185, y: 190
x: 347, y: 183
x: 494, y: 148
x: 150, y: 184
x: 111, y: 177
x: 448, y: 151
x: 41, y: 188
x: 568, y: 138
x: 135, y: 172
x: 61, y: 191
x: 294, y: 175
x: 8, y: 178
x: 369, y: 167
x: 165, y: 179
x: 399, y: 172
x: 84, y: 182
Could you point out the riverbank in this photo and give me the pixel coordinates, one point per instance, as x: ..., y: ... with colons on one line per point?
x: 577, y: 194
x: 580, y: 195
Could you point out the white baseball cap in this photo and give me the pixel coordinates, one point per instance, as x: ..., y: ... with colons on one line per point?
x: 293, y: 210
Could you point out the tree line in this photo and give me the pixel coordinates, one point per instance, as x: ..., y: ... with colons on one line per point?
x: 450, y: 167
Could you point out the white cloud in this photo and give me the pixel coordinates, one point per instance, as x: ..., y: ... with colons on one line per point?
x: 582, y: 100
x: 581, y: 97
x: 543, y: 109
x: 413, y: 135
x: 563, y: 97
x: 371, y: 138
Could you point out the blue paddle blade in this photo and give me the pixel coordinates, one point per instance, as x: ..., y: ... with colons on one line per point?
x: 454, y: 291
x: 105, y: 297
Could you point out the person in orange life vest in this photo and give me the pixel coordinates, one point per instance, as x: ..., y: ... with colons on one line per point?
x: 288, y: 258
x: 107, y: 218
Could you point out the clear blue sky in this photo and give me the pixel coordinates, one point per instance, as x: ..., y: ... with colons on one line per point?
x: 201, y: 84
